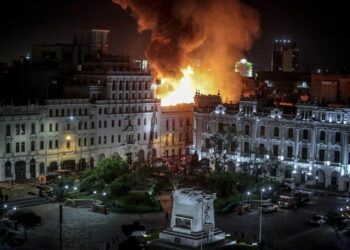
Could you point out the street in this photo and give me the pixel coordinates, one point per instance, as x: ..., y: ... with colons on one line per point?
x: 284, y: 229
x: 288, y: 228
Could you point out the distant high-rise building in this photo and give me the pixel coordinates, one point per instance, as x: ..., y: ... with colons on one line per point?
x: 285, y: 56
x: 244, y: 68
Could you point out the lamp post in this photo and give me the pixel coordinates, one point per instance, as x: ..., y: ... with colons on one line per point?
x: 248, y: 194
x: 5, y: 210
x: 94, y: 196
x: 316, y: 181
x: 261, y: 192
x: 75, y: 192
x: 61, y: 199
x: 260, y: 224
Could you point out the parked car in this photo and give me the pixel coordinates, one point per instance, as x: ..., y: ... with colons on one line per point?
x: 269, y: 207
x: 318, y: 220
x: 287, y: 202
x: 302, y: 197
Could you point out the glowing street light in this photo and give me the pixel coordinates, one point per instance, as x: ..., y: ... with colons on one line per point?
x: 94, y: 195
x: 5, y: 209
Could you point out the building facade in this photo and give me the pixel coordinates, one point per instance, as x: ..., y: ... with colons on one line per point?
x: 311, y: 145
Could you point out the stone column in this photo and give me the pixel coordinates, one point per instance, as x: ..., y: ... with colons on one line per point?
x: 27, y: 169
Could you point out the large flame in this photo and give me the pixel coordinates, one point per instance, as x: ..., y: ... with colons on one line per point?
x: 184, y: 89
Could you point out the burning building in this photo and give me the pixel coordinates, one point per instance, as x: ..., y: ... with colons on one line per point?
x: 191, y: 48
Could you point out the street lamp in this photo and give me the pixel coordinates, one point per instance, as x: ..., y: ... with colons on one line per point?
x: 316, y: 181
x: 248, y: 193
x: 5, y: 209
x: 14, y: 208
x: 94, y: 195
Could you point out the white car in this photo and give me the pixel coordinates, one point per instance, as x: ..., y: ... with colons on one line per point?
x: 318, y: 220
x: 269, y: 207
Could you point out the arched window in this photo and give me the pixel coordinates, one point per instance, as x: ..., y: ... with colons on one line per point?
x: 276, y: 132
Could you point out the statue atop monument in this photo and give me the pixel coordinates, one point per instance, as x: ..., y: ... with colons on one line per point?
x: 192, y: 219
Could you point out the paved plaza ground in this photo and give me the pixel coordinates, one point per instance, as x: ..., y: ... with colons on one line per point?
x: 285, y: 229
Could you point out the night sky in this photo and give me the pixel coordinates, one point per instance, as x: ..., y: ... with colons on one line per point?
x: 320, y: 29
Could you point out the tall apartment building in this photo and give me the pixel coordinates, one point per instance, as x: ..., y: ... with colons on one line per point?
x: 285, y: 56
x: 108, y: 107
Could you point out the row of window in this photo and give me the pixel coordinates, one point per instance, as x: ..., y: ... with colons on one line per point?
x: 127, y: 86
x: 127, y: 110
x: 173, y: 123
x: 290, y: 152
x: 171, y: 137
x: 67, y: 112
x: 290, y: 133
x: 132, y: 96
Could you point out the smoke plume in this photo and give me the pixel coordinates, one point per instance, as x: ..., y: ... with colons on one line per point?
x: 209, y: 35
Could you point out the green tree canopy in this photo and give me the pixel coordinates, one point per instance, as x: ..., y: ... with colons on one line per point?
x: 27, y: 219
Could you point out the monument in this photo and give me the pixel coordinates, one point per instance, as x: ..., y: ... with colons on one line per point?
x: 192, y: 219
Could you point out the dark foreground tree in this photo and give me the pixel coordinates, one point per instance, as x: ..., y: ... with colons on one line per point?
x: 27, y: 219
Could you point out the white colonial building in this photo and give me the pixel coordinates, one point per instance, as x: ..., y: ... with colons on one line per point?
x: 310, y: 143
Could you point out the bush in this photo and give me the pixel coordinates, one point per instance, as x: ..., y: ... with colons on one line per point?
x: 121, y: 186
x: 136, y: 202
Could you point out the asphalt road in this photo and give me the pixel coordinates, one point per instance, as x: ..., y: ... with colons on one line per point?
x: 285, y: 229
x: 289, y: 228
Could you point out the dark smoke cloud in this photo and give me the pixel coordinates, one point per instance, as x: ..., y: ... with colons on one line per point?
x: 210, y: 35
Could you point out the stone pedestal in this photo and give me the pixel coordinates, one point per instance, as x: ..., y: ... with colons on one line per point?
x: 192, y: 219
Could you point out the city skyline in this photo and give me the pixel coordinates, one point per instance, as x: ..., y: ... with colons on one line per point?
x: 315, y: 28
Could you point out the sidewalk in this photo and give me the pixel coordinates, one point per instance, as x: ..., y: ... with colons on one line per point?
x: 323, y: 192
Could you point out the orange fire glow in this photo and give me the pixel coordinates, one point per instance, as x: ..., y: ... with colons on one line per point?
x: 174, y: 91
x: 184, y: 88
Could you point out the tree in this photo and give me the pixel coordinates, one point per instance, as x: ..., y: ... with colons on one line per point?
x: 223, y: 143
x: 27, y: 219
x: 106, y: 172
